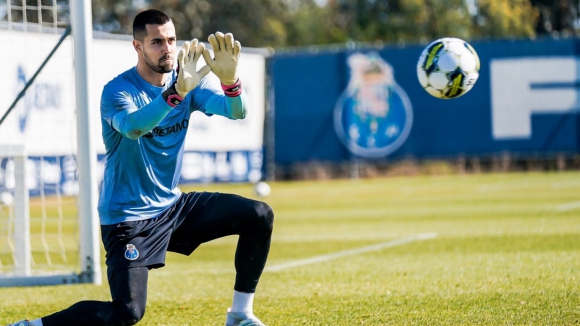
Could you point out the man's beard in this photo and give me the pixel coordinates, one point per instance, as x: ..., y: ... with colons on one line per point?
x: 159, y: 68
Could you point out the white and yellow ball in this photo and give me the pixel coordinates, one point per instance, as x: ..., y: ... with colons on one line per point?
x: 448, y: 68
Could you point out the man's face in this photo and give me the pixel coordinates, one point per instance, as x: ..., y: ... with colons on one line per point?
x: 158, y: 48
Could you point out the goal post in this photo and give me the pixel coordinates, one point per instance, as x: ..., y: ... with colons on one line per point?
x: 51, y: 237
x: 18, y: 212
x: 82, y: 28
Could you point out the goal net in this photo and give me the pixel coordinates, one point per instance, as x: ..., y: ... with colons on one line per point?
x: 38, y: 228
x: 44, y: 237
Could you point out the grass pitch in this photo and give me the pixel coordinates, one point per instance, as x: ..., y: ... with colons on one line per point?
x: 499, y: 249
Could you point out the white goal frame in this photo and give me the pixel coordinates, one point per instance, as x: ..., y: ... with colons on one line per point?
x: 22, y: 253
x: 89, y: 230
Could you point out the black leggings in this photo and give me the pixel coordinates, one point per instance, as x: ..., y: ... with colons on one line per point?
x: 229, y: 215
x: 129, y: 293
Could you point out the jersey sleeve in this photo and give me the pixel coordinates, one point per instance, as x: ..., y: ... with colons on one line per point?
x: 209, y: 98
x: 121, y: 112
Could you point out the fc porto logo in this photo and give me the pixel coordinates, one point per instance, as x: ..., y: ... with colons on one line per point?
x: 131, y: 253
x: 373, y: 116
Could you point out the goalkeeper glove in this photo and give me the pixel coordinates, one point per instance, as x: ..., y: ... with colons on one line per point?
x: 188, y: 77
x: 226, y: 56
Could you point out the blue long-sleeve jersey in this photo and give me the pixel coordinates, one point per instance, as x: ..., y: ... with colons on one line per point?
x: 144, y: 140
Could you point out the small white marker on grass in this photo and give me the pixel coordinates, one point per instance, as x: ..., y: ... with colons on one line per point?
x: 351, y: 252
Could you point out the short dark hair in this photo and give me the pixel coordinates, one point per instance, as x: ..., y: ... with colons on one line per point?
x: 150, y: 16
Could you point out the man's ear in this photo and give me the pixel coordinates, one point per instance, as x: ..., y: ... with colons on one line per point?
x: 137, y: 46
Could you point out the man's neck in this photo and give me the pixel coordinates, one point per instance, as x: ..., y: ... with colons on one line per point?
x: 152, y: 77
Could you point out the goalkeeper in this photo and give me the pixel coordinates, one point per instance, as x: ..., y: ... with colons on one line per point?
x: 145, y: 113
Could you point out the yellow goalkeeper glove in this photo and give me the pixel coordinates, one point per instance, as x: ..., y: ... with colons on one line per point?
x: 226, y: 56
x: 188, y: 77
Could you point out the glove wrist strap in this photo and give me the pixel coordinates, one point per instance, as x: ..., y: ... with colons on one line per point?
x: 233, y: 90
x: 171, y: 96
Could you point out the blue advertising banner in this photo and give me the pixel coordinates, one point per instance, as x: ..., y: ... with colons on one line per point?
x: 334, y: 105
x: 50, y: 175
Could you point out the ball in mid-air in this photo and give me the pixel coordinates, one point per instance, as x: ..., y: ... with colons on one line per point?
x: 448, y: 68
x: 262, y: 189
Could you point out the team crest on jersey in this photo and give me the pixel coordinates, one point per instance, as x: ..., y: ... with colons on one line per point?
x: 373, y: 116
x: 131, y: 253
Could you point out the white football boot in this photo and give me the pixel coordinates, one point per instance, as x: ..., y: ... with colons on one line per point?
x: 21, y: 323
x: 242, y: 319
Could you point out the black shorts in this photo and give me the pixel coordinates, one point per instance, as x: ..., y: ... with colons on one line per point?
x: 145, y: 242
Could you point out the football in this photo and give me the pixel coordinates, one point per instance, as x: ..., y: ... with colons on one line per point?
x: 448, y: 68
x: 262, y: 189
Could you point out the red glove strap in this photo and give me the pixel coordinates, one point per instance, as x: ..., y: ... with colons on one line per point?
x: 233, y: 90
x: 171, y: 96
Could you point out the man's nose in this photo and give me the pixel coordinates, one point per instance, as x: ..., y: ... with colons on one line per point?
x: 166, y: 48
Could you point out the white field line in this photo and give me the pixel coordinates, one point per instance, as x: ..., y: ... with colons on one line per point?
x: 352, y: 252
x: 568, y: 206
